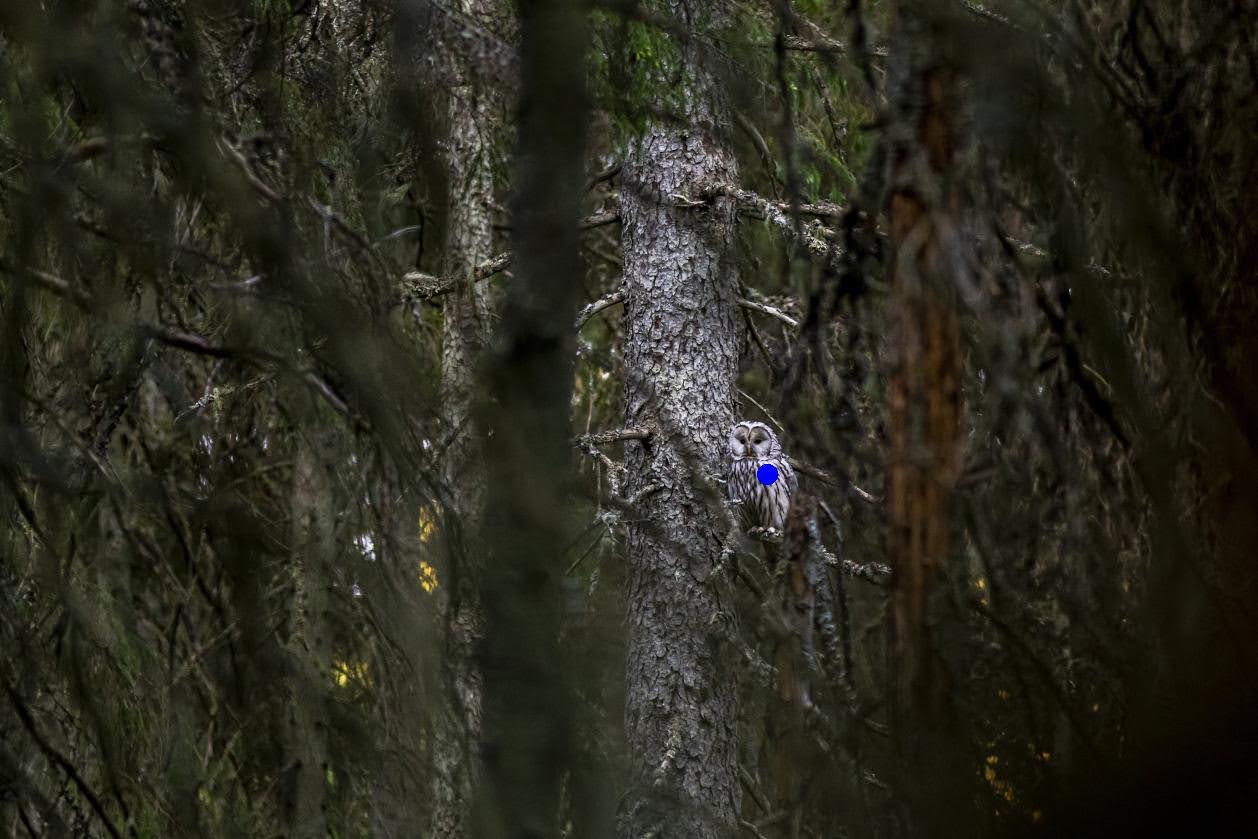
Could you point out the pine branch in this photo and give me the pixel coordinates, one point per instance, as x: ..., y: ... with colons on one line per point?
x: 418, y: 286
x: 615, y: 435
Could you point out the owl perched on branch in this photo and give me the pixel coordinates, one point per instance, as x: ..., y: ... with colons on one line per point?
x: 760, y: 481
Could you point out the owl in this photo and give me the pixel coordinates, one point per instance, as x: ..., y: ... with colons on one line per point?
x: 760, y: 481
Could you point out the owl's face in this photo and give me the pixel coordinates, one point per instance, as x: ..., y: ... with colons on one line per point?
x: 753, y: 439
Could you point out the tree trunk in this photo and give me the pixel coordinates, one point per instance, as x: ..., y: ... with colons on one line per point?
x: 309, y: 646
x: 787, y: 746
x: 466, y: 311
x: 681, y: 355
x: 924, y: 405
x: 528, y: 704
x: 925, y: 361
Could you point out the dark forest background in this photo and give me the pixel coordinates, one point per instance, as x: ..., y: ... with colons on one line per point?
x: 366, y: 365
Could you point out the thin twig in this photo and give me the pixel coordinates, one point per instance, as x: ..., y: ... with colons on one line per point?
x: 763, y: 409
x: 874, y: 572
x: 749, y: 784
x: 607, y: 301
x: 769, y: 310
x: 599, y: 305
x: 606, y: 175
x: 254, y: 181
x: 417, y: 285
x: 826, y: 478
x: 979, y: 11
x: 751, y: 828
x: 61, y: 761
x: 57, y: 286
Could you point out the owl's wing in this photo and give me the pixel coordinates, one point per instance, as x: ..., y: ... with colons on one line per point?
x: 792, y: 482
x: 735, y: 482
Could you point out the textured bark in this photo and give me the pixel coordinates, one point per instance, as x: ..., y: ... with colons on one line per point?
x: 309, y: 647
x: 466, y: 311
x: 681, y: 353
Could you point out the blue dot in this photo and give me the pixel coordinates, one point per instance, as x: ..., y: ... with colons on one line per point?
x: 767, y: 474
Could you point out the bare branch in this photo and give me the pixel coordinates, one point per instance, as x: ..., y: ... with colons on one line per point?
x: 53, y: 283
x: 93, y: 147
x: 763, y: 409
x: 769, y: 310
x: 86, y: 149
x: 751, y: 828
x: 260, y: 187
x: 749, y: 784
x: 417, y: 286
x: 812, y: 471
x: 600, y: 219
x: 798, y: 43
x: 987, y: 14
x: 615, y: 435
x: 779, y: 213
x: 618, y: 296
x: 599, y: 305
x: 826, y: 478
x: 61, y: 761
x: 874, y: 572
x: 606, y: 175
x: 195, y: 344
x: 762, y: 148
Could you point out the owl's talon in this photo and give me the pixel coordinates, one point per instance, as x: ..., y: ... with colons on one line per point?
x: 765, y: 534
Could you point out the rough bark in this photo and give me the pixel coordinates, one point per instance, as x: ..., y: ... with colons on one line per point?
x: 681, y: 353
x: 309, y: 647
x: 466, y: 310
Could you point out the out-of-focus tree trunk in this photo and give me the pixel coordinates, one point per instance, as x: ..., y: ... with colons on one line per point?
x: 1197, y: 248
x: 786, y: 736
x: 527, y: 731
x: 472, y: 114
x: 923, y: 378
x: 309, y: 645
x: 681, y: 354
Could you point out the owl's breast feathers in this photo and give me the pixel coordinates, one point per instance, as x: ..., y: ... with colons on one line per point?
x: 761, y: 505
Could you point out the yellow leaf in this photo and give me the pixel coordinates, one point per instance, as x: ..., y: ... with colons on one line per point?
x: 345, y: 673
x: 427, y: 522
x: 427, y: 577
